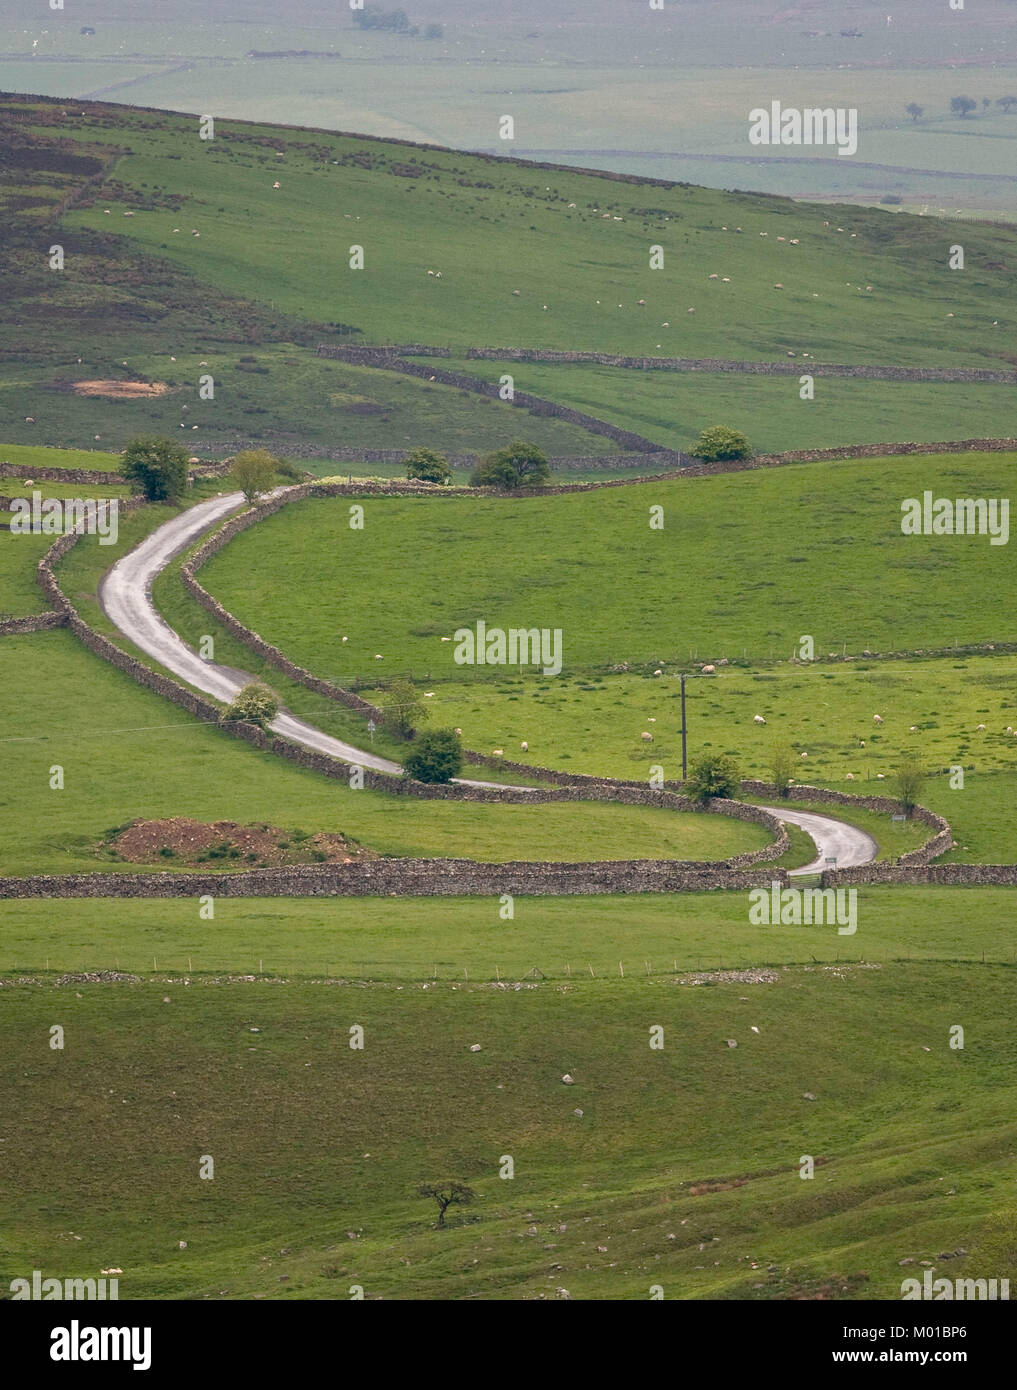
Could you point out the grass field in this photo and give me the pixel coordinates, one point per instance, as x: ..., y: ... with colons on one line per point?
x: 747, y: 530
x: 455, y: 939
x: 913, y: 1147
x: 126, y: 753
x: 671, y: 408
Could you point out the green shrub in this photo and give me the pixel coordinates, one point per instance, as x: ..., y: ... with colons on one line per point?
x: 436, y: 756
x: 157, y: 466
x: 719, y: 442
x: 428, y: 467
x: 717, y: 775
x: 255, y: 704
x: 518, y: 465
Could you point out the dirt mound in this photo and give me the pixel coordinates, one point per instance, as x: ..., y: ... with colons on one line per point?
x: 226, y: 844
x: 121, y: 390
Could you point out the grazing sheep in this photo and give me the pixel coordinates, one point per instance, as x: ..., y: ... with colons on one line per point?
x: 646, y: 737
x: 498, y: 752
x: 726, y: 279
x: 709, y: 670
x: 877, y: 719
x: 277, y: 184
x: 804, y: 755
x: 850, y: 777
x: 713, y: 277
x: 979, y: 728
x: 758, y: 719
x: 458, y: 731
x: 516, y: 293
x: 778, y: 287
x: 430, y: 272
x: 525, y: 746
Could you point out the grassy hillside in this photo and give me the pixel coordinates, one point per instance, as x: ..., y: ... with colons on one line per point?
x: 912, y: 1146
x: 672, y: 408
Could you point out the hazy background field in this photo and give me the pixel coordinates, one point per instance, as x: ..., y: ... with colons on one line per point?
x: 604, y: 83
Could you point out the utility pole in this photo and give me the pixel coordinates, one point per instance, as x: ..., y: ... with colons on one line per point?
x: 684, y: 732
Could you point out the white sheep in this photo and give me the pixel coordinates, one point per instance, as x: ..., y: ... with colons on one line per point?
x: 646, y: 737
x: 498, y: 752
x: 709, y: 670
x: 804, y: 755
x: 525, y: 746
x: 850, y: 777
x: 758, y: 719
x: 979, y: 728
x: 877, y: 719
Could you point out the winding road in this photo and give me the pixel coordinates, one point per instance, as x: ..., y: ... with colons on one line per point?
x: 126, y: 598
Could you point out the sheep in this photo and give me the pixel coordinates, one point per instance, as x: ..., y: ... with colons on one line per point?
x: 713, y: 277
x: 525, y: 746
x: 758, y: 719
x: 277, y: 184
x: 877, y: 719
x: 29, y: 419
x: 782, y: 238
x: 430, y: 272
x: 658, y: 673
x: 979, y: 728
x: 437, y: 274
x: 850, y: 777
x: 458, y: 731
x: 646, y: 736
x: 709, y: 670
x: 725, y: 279
x: 778, y: 287
x: 803, y: 755
x: 498, y: 752
x: 515, y: 292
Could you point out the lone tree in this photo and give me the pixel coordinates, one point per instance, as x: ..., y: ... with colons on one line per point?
x: 158, y: 466
x: 719, y: 442
x: 254, y: 704
x: 1007, y: 103
x: 716, y: 775
x: 436, y: 756
x: 447, y: 1194
x: 910, y: 776
x: 253, y: 472
x: 428, y: 466
x: 914, y: 110
x: 960, y: 106
x: 782, y: 760
x: 403, y: 708
x: 519, y: 464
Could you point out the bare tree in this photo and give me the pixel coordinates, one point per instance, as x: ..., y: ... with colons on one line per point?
x: 446, y: 1194
x: 910, y: 776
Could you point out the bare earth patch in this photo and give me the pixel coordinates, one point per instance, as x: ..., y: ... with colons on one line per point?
x: 121, y: 390
x: 226, y: 844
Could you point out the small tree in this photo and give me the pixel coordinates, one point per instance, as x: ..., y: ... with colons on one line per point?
x: 403, y: 708
x: 782, y: 761
x: 910, y: 776
x: 447, y: 1194
x: 428, y: 466
x: 436, y: 756
x: 960, y: 106
x: 434, y: 31
x: 253, y: 472
x: 254, y: 704
x: 716, y: 775
x: 719, y: 442
x: 1007, y: 103
x: 914, y: 110
x: 519, y: 464
x: 158, y: 466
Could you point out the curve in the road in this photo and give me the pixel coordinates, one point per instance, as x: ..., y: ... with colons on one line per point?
x: 126, y: 598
